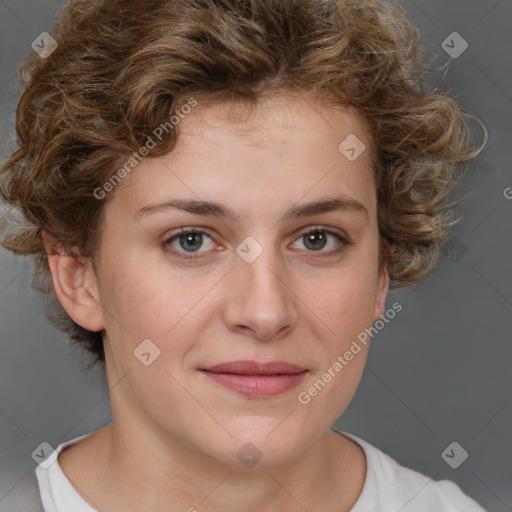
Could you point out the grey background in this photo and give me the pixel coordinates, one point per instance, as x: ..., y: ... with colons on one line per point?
x: 439, y: 372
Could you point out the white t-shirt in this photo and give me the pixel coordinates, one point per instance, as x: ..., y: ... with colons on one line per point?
x: 388, y: 487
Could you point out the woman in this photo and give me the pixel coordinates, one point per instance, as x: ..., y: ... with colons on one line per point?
x: 218, y: 196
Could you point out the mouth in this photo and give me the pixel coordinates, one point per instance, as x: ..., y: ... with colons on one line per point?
x: 254, y: 368
x: 254, y: 379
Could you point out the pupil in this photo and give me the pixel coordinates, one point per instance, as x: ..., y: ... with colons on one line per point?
x: 189, y: 237
x: 314, y: 238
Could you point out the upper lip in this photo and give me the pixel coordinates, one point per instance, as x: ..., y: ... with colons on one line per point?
x: 254, y: 368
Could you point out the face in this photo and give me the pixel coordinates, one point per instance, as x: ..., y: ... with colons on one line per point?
x: 264, y: 284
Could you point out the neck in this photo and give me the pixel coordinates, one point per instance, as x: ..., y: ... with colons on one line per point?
x: 326, y: 474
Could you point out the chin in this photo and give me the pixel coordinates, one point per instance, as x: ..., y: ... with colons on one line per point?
x: 259, y: 446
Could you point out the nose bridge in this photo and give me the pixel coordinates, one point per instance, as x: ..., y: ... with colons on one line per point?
x: 262, y: 272
x: 260, y: 266
x: 263, y: 301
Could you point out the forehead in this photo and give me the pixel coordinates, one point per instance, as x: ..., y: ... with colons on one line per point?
x: 270, y: 120
x: 284, y: 149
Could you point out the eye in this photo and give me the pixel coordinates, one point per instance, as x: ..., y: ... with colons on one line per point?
x: 187, y: 241
x: 317, y: 238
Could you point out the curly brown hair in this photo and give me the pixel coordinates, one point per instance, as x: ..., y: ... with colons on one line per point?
x: 122, y: 66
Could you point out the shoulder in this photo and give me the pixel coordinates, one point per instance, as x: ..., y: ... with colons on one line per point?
x: 57, y: 493
x: 410, y: 490
x: 389, y: 486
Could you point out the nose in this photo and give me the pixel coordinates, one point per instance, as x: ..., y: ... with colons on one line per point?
x: 261, y: 299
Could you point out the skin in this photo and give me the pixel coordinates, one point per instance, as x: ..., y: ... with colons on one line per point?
x: 175, y: 433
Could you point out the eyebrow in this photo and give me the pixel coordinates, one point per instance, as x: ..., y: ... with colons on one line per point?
x: 213, y: 209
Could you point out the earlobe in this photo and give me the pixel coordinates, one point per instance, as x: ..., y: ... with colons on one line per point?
x: 382, y: 291
x: 74, y: 282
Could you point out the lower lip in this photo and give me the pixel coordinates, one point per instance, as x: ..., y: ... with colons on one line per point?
x: 257, y: 385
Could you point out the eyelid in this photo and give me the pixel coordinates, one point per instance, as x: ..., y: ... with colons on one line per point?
x: 342, y: 237
x: 327, y: 229
x: 174, y: 235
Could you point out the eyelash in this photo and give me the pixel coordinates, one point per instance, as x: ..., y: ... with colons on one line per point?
x: 316, y: 229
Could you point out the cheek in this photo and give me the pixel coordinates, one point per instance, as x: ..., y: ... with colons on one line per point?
x: 156, y: 303
x: 343, y: 305
x: 346, y: 311
x: 347, y: 305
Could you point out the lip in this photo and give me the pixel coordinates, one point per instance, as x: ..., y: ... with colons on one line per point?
x: 254, y: 368
x: 254, y: 379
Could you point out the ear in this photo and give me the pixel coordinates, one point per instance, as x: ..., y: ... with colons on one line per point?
x: 382, y: 289
x: 75, y: 284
